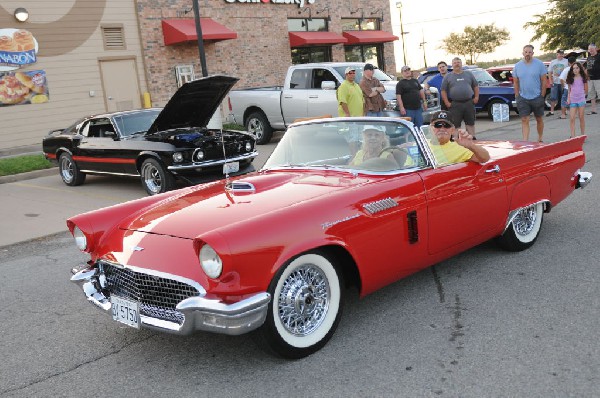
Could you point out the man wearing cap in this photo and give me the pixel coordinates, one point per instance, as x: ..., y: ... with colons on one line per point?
x: 554, y: 70
x: 372, y: 89
x: 350, y: 96
x: 461, y: 149
x: 411, y: 97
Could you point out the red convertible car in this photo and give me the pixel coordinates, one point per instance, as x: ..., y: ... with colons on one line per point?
x: 273, y: 251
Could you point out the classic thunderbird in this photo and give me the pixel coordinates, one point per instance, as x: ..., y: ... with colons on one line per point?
x: 273, y: 251
x: 158, y: 145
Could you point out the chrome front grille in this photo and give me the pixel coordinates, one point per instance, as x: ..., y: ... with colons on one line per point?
x: 156, y: 295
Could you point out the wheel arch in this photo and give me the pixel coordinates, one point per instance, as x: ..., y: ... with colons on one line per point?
x: 250, y: 110
x: 339, y: 253
x: 146, y: 155
x: 533, y: 190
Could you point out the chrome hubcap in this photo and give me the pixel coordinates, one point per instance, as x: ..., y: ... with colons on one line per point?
x: 524, y: 221
x: 152, y: 178
x: 66, y: 169
x: 255, y: 127
x: 304, y: 300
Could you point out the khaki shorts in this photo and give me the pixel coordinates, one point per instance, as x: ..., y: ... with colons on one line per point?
x: 593, y: 89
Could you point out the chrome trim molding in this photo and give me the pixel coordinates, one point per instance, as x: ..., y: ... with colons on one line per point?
x: 513, y: 213
x: 200, y: 313
x: 109, y: 173
x: 240, y: 186
x: 209, y: 163
x: 380, y: 205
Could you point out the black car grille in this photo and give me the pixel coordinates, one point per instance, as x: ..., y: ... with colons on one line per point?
x: 214, y: 150
x: 157, y: 296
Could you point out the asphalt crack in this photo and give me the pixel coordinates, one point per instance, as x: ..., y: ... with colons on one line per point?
x: 49, y: 377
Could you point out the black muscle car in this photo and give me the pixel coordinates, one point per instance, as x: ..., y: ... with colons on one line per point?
x: 159, y: 145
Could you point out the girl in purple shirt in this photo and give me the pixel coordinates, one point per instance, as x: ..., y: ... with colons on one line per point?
x: 578, y: 85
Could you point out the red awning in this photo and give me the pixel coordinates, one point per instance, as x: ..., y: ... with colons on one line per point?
x: 182, y: 30
x: 369, y: 36
x: 300, y: 39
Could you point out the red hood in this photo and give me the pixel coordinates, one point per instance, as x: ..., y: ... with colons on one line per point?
x: 205, y: 208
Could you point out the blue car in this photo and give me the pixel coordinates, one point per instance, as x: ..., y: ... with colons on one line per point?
x: 491, y: 91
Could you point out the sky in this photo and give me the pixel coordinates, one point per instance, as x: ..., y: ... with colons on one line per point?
x: 432, y: 21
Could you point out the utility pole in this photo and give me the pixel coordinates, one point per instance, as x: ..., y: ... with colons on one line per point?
x: 422, y: 45
x: 402, y: 32
x: 200, y: 40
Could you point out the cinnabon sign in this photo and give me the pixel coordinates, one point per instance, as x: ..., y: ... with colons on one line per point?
x: 300, y: 3
x: 18, y: 47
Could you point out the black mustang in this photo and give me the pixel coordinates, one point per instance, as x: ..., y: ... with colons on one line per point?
x: 160, y: 145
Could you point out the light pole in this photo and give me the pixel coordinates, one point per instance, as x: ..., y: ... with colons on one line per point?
x: 402, y: 32
x: 422, y: 45
x: 200, y: 39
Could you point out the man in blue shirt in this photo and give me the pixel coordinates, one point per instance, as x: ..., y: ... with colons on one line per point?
x: 436, y: 81
x: 529, y: 79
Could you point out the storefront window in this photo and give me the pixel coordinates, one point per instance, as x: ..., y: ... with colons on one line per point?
x: 360, y: 24
x: 184, y: 73
x: 304, y: 55
x: 371, y: 53
x: 307, y: 25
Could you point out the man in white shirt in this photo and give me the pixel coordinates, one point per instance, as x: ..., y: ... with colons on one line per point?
x: 554, y: 70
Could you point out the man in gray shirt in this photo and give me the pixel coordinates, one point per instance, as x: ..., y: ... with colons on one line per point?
x: 460, y: 93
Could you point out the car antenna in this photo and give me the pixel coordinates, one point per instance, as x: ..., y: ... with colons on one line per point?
x: 224, y: 157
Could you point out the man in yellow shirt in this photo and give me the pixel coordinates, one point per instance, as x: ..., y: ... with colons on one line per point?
x: 350, y: 96
x: 461, y: 148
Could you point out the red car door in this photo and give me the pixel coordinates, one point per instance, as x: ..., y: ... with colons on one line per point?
x: 467, y: 204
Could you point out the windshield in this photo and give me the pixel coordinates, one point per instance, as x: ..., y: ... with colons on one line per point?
x: 483, y: 77
x: 377, y: 73
x: 135, y: 122
x: 367, y: 144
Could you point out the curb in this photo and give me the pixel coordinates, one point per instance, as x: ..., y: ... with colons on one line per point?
x: 29, y: 175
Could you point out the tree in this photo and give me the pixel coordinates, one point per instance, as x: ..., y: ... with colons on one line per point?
x: 482, y: 39
x: 567, y: 24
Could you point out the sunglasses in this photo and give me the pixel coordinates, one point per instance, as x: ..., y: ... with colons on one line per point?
x: 439, y: 125
x: 351, y: 73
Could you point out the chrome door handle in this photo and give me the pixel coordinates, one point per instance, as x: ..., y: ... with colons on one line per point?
x: 495, y: 169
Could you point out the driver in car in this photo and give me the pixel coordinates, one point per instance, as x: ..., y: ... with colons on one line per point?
x: 373, y: 144
x: 451, y: 145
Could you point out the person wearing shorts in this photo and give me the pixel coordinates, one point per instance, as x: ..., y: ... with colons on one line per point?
x: 529, y: 79
x: 460, y: 93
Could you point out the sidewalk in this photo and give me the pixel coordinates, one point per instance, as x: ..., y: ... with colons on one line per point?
x: 37, y: 205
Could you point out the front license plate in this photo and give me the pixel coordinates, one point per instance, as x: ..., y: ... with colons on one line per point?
x: 232, y: 167
x: 125, y: 311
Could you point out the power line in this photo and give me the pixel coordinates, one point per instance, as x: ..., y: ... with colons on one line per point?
x: 478, y: 13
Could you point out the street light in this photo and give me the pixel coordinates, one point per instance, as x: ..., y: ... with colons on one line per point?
x: 402, y: 32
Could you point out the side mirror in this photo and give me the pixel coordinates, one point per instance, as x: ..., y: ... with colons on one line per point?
x: 328, y: 85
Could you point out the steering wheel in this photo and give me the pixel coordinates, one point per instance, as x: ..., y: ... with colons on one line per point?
x: 400, y: 154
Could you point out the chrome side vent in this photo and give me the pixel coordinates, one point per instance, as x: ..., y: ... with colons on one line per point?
x: 240, y: 187
x: 380, y: 205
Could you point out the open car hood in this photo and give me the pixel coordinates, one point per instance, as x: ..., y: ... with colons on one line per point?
x: 193, y: 104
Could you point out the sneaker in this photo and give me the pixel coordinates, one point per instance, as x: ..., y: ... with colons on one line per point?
x: 550, y: 114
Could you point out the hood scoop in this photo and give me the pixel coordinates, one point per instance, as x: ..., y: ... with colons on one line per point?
x: 236, y: 187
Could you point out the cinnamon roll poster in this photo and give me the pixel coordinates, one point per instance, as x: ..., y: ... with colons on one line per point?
x: 18, y: 47
x: 18, y: 88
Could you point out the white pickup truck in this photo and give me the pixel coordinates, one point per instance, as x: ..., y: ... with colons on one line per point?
x: 308, y: 91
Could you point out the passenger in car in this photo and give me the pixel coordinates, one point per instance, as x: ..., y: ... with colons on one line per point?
x: 450, y: 145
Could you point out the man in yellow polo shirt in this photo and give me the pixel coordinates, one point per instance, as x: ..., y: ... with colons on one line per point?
x: 350, y: 95
x: 461, y: 148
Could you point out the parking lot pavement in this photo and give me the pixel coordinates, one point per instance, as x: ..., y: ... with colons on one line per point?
x: 36, y: 207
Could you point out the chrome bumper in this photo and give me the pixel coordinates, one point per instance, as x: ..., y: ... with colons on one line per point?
x: 583, y: 179
x: 211, y: 163
x: 199, y: 312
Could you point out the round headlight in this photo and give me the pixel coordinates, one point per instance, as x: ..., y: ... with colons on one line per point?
x: 80, y: 239
x: 210, y: 261
x: 248, y: 146
x: 199, y: 155
x: 177, y: 157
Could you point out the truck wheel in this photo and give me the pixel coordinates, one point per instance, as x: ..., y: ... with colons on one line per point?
x: 547, y: 102
x: 155, y: 178
x: 258, y: 125
x: 69, y: 171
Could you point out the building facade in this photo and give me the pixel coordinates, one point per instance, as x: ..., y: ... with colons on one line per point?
x: 95, y: 56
